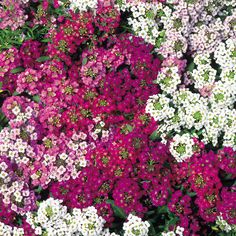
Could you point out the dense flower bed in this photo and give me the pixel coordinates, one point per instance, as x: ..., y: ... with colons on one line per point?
x: 117, y: 117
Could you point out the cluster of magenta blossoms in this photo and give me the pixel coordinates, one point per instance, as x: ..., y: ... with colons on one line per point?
x: 78, y: 154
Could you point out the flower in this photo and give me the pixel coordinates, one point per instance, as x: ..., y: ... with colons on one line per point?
x: 135, y: 226
x: 182, y: 147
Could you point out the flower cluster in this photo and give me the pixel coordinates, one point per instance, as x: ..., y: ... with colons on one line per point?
x: 143, y: 19
x: 223, y: 225
x: 54, y: 219
x: 12, y: 14
x: 135, y: 226
x: 178, y: 231
x: 197, y: 26
x: 202, y: 102
x: 83, y: 6
x: 8, y: 230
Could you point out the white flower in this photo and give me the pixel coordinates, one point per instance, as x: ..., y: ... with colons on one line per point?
x: 222, y: 95
x: 179, y: 230
x: 222, y: 224
x: 168, y: 79
x: 135, y: 226
x: 107, y: 233
x: 53, y: 219
x: 225, y: 54
x: 38, y: 230
x: 214, y: 125
x: 16, y: 110
x: 230, y: 138
x: 228, y: 75
x: 143, y: 19
x: 196, y: 114
x: 49, y: 212
x: 90, y: 224
x: 63, y: 156
x: 202, y: 59
x: 83, y: 5
x: 204, y: 76
x: 182, y: 147
x: 184, y: 97
x: 170, y: 233
x: 6, y: 230
x: 158, y: 106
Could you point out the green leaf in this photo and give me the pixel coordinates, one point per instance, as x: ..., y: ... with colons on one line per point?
x: 150, y: 14
x: 117, y: 211
x: 38, y: 190
x: 47, y: 40
x: 163, y: 209
x: 155, y: 135
x: 172, y: 221
x: 191, y: 194
x: 214, y: 228
x: 17, y: 70
x: 129, y: 128
x: 190, y: 67
x: 150, y: 213
x: 36, y: 98
x: 151, y: 231
x: 84, y: 61
x: 19, y: 221
x: 119, y: 2
x: 161, y: 57
x: 43, y: 58
x: 15, y: 93
x: 16, y: 42
x: 162, y: 33
x: 228, y: 177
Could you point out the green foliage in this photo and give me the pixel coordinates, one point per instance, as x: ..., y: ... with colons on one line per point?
x: 160, y: 219
x: 17, y: 70
x: 36, y: 98
x: 3, y: 121
x: 9, y: 38
x: 190, y: 67
x: 84, y: 61
x: 43, y: 58
x: 117, y: 210
x: 155, y: 135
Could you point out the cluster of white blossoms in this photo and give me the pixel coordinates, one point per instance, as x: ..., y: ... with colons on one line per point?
x: 169, y: 79
x: 182, y: 147
x: 198, y: 26
x: 203, y: 76
x: 178, y: 232
x: 158, y: 106
x: 224, y: 226
x: 202, y: 107
x: 225, y: 54
x: 145, y: 19
x: 135, y: 226
x: 6, y: 230
x: 54, y: 219
x: 81, y: 5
